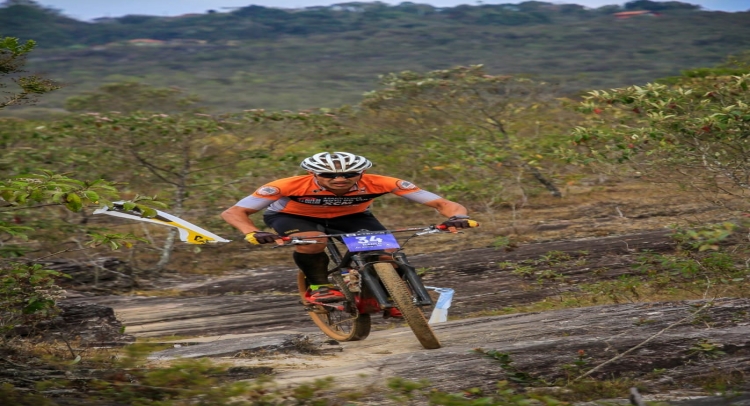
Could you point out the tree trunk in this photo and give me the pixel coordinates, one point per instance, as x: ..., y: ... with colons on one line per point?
x: 166, y: 250
x: 180, y: 197
x: 505, y: 142
x: 544, y: 181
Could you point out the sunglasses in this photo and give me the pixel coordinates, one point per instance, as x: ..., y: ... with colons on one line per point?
x: 345, y: 175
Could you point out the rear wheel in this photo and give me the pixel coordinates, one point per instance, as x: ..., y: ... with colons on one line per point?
x: 340, y: 324
x: 401, y: 295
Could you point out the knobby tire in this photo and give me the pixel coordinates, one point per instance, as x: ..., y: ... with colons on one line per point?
x: 401, y: 295
x: 339, y: 325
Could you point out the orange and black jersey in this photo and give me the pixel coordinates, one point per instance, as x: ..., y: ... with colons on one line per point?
x: 303, y: 196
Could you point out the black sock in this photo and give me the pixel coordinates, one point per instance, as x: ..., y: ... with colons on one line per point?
x: 314, y: 266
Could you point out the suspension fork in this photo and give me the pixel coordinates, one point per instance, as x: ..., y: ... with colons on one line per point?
x: 406, y: 271
x: 334, y: 254
x: 415, y: 282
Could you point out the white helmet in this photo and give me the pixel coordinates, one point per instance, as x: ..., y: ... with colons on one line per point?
x: 337, y: 162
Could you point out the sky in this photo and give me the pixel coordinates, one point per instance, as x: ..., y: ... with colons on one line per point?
x: 89, y: 9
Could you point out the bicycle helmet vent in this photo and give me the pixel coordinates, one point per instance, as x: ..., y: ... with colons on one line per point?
x: 337, y: 162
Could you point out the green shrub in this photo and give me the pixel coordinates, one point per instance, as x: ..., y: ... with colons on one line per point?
x: 27, y: 296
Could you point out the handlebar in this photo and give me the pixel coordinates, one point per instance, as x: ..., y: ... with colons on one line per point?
x: 435, y: 228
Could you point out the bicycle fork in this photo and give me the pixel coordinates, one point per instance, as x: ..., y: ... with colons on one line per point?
x: 373, y: 286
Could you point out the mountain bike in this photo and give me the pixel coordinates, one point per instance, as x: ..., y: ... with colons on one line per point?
x: 374, y: 275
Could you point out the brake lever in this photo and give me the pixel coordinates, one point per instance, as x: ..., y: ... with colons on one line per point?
x: 430, y: 231
x: 292, y: 241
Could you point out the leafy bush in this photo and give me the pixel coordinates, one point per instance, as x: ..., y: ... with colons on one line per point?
x: 696, y: 274
x: 27, y: 296
x: 705, y: 238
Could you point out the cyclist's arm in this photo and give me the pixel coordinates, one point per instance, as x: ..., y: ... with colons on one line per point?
x: 410, y: 191
x: 447, y: 208
x: 239, y: 218
x: 239, y: 215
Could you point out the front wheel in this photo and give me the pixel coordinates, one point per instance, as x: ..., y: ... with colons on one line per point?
x: 340, y: 321
x: 401, y: 295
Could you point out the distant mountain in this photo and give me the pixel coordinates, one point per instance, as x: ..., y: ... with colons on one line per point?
x: 258, y: 57
x: 26, y: 18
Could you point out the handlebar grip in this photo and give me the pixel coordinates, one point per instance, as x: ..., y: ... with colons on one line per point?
x: 472, y: 224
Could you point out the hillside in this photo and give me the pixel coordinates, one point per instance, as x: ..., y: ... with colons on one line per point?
x: 257, y: 57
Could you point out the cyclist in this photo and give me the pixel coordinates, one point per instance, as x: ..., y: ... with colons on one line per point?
x: 336, y: 193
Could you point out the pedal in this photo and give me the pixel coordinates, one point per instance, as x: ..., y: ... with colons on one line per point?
x: 319, y: 308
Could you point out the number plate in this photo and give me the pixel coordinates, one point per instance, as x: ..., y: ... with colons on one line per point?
x: 368, y: 242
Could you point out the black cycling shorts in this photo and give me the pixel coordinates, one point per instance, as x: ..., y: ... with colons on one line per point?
x: 286, y: 224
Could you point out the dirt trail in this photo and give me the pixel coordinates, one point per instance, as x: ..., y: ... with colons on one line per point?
x: 543, y: 345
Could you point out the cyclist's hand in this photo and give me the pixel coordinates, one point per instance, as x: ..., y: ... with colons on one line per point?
x: 460, y: 222
x: 261, y: 237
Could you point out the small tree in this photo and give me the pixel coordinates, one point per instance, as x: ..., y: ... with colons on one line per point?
x: 28, y: 87
x: 471, y: 123
x: 28, y: 291
x: 694, y: 132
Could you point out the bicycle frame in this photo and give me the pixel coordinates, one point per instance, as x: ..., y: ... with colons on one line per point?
x: 362, y: 261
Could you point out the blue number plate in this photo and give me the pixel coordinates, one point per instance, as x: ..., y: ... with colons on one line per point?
x: 367, y: 242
